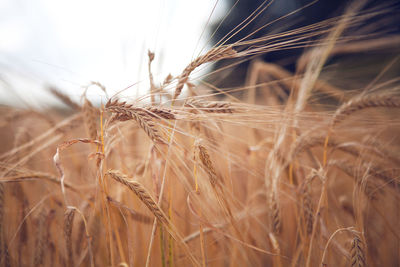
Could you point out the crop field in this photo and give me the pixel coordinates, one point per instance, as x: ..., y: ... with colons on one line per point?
x: 291, y: 168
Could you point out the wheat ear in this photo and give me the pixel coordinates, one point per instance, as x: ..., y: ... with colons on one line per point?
x: 356, y: 104
x: 142, y: 116
x: 68, y: 223
x: 151, y: 204
x: 208, y: 166
x: 307, y: 206
x: 357, y: 253
x: 89, y: 117
x: 360, y: 103
x: 210, y: 106
x: 275, y: 214
x: 214, y: 54
x: 64, y: 98
x: 40, y: 239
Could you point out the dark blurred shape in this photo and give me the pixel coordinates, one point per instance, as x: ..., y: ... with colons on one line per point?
x: 385, y: 25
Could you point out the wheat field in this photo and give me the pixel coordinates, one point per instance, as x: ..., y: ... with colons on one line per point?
x: 290, y: 169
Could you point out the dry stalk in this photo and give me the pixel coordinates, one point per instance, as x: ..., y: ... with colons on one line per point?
x: 277, y: 250
x: 57, y: 160
x: 36, y: 175
x: 214, y: 54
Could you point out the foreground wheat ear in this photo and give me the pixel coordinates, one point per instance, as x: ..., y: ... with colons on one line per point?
x: 151, y: 204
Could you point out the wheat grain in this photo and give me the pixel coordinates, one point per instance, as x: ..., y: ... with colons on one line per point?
x: 40, y: 239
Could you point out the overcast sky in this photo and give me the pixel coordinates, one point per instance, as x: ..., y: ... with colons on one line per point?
x: 70, y: 43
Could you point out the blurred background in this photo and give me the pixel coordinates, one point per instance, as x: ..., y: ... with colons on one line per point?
x: 67, y: 44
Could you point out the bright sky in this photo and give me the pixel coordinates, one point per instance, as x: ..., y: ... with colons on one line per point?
x: 70, y: 43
